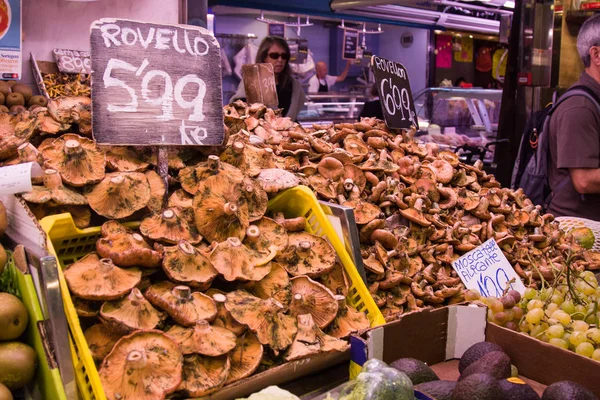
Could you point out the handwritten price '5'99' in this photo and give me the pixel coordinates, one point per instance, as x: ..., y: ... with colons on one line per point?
x: 172, y: 92
x: 395, y: 99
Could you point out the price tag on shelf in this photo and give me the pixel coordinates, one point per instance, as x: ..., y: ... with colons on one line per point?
x: 276, y: 29
x: 73, y: 61
x: 156, y: 85
x: 259, y: 84
x: 17, y: 178
x: 486, y: 270
x: 395, y: 95
x: 350, y: 45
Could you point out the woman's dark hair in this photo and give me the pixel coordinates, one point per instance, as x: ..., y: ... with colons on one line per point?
x: 285, y: 77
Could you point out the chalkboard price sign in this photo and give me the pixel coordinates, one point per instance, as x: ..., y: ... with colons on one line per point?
x: 350, y: 44
x: 155, y: 85
x: 394, y: 91
x: 73, y: 61
x: 259, y: 84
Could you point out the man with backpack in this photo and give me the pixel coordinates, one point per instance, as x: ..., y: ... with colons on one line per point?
x: 574, y: 137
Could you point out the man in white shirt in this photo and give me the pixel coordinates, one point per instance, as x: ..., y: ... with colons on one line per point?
x: 321, y: 82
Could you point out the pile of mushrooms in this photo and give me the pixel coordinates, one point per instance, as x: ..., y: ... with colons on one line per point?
x: 232, y: 290
x: 418, y: 208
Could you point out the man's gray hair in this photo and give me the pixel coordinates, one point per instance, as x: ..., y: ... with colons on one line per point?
x: 589, y: 36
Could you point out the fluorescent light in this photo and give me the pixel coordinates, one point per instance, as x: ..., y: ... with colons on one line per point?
x: 437, y: 32
x: 509, y: 4
x: 470, y: 36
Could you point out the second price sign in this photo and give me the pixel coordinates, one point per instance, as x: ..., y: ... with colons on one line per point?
x: 395, y: 95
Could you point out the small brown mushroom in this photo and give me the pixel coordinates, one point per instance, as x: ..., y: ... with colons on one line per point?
x: 337, y: 280
x: 131, y: 313
x: 125, y: 248
x: 119, y: 195
x: 220, y: 211
x: 297, y: 224
x: 124, y: 159
x: 347, y: 320
x: 158, y: 190
x: 364, y: 212
x: 54, y: 191
x: 78, y: 160
x: 275, y: 285
x: 202, y: 375
x: 275, y: 180
x: 213, y: 168
x: 248, y: 158
x: 168, y: 227
x: 245, y: 358
x: 183, y: 305
x: 415, y: 214
x: 86, y: 309
x: 185, y: 264
x: 357, y: 147
x: 151, y: 362
x: 310, y: 297
x: 443, y: 171
x: 224, y: 318
x: 256, y: 198
x: 202, y: 338
x: 331, y: 169
x: 264, y: 318
x: 264, y: 235
x: 306, y: 342
x: 92, y: 278
x: 308, y: 255
x: 235, y: 261
x: 101, y: 339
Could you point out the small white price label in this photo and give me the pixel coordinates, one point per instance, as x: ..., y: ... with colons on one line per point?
x: 17, y: 178
x: 487, y: 270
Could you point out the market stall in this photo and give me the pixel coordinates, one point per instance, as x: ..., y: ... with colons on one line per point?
x: 160, y: 245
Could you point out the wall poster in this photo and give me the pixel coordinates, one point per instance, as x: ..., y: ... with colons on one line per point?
x: 10, y: 39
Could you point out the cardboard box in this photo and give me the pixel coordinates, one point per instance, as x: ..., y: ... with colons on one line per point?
x: 436, y: 336
x: 39, y: 67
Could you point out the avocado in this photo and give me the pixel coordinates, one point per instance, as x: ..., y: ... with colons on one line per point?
x: 516, y: 389
x: 567, y: 390
x: 4, y: 88
x: 37, y: 101
x: 5, y: 393
x: 17, y: 364
x: 475, y: 352
x: 4, y: 109
x: 24, y: 89
x: 495, y: 363
x: 437, y: 390
x: 14, y: 99
x: 417, y: 371
x: 478, y: 386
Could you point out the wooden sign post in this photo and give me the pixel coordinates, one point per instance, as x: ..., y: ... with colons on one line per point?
x: 155, y: 84
x: 395, y: 95
x: 350, y: 44
x: 259, y: 84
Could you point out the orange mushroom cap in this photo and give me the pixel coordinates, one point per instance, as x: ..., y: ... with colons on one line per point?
x: 168, y: 227
x: 264, y: 318
x: 119, y: 195
x: 202, y: 375
x: 92, y: 278
x: 203, y: 338
x: 101, y: 340
x: 124, y: 159
x: 125, y: 248
x: 144, y: 365
x: 185, y: 264
x: 130, y: 313
x: 235, y: 261
x: 347, y: 321
x: 310, y: 297
x: 78, y: 159
x: 54, y: 191
x: 245, y: 358
x: 265, y: 235
x: 183, y: 305
x: 224, y: 318
x: 307, y: 254
x: 192, y: 177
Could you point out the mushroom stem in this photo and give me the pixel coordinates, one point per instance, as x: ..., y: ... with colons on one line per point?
x: 219, y: 298
x: 341, y: 300
x: 213, y: 162
x: 186, y: 247
x: 168, y: 214
x: 73, y: 147
x: 304, y: 248
x: 230, y: 208
x: 137, y: 237
x: 135, y: 296
x: 106, y: 264
x: 202, y: 325
x: 348, y: 184
x: 238, y: 147
x: 52, y: 179
x: 253, y: 233
x: 117, y: 180
x: 182, y: 292
x: 298, y: 299
x: 136, y: 359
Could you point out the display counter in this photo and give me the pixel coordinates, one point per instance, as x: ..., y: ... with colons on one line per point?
x: 332, y: 107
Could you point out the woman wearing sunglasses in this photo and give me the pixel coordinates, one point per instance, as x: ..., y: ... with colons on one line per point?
x: 275, y: 51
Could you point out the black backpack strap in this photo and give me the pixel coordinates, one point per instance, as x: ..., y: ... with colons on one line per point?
x: 578, y: 90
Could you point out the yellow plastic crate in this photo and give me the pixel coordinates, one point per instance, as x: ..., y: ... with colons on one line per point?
x: 47, y: 379
x: 68, y: 244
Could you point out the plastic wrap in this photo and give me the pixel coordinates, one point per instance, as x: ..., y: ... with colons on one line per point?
x: 376, y: 381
